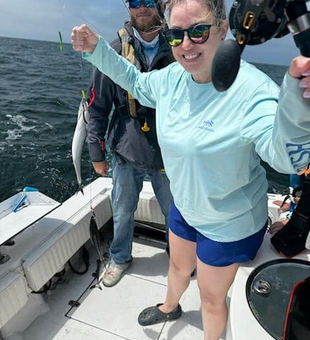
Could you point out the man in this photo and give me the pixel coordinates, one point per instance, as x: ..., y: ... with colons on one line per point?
x: 132, y: 140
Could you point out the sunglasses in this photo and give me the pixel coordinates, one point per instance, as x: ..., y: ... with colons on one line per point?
x: 138, y: 3
x: 197, y: 34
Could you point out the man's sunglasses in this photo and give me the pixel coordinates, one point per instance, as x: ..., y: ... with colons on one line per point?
x: 138, y: 3
x: 197, y: 34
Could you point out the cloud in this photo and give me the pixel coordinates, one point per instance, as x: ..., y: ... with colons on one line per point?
x: 275, y: 51
x: 25, y: 19
x: 42, y: 19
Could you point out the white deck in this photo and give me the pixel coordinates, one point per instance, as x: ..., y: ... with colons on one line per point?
x: 111, y: 313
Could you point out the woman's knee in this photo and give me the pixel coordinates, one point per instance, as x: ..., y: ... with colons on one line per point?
x: 212, y: 299
x: 181, y: 269
x: 214, y: 283
x: 212, y: 302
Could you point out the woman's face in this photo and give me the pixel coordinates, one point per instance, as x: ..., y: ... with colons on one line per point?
x: 196, y: 58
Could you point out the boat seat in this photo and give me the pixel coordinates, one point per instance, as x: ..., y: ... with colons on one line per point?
x: 44, y: 248
x: 69, y: 232
x: 13, y: 295
x: 148, y: 209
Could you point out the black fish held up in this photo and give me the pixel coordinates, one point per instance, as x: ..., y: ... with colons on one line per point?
x: 97, y: 242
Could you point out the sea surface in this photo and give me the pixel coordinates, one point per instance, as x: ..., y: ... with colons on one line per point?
x: 40, y: 91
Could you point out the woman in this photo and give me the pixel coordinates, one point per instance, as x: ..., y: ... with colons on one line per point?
x: 211, y: 145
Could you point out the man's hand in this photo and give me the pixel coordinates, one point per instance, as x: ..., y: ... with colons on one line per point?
x: 300, y: 68
x: 101, y: 168
x: 84, y: 39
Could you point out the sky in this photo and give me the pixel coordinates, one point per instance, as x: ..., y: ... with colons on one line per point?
x: 43, y: 19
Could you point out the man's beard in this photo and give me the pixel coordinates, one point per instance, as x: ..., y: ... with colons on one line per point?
x: 149, y: 26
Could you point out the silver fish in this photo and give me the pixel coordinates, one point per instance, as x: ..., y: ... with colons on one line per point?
x: 79, y: 140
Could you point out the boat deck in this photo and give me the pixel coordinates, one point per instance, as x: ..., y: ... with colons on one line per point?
x: 111, y: 313
x: 71, y: 310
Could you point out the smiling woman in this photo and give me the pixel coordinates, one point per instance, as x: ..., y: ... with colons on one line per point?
x: 28, y: 100
x: 218, y: 219
x: 213, y: 20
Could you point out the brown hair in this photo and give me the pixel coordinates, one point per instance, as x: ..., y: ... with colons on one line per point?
x: 216, y: 7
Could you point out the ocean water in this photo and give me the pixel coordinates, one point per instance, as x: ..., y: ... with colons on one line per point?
x: 40, y: 91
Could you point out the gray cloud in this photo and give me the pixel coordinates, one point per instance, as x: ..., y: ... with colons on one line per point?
x: 42, y: 19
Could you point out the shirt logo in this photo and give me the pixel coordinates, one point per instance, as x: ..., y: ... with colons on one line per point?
x: 207, y: 125
x: 299, y: 155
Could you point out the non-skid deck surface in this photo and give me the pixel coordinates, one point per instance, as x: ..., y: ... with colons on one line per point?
x: 111, y: 313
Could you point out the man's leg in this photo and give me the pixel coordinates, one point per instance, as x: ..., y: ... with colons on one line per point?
x: 127, y: 184
x: 161, y: 186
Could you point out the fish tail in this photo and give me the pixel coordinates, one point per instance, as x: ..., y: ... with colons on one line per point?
x: 99, y: 265
x: 80, y: 189
x: 97, y: 275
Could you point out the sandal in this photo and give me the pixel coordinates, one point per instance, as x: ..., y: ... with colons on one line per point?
x: 153, y: 315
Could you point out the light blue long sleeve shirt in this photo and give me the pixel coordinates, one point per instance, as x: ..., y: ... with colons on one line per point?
x: 212, y: 142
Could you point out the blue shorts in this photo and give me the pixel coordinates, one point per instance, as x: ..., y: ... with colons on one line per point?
x: 213, y: 253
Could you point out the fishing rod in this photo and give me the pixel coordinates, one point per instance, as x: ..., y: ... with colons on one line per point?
x: 77, y: 147
x: 253, y: 22
x: 124, y: 3
x: 69, y: 9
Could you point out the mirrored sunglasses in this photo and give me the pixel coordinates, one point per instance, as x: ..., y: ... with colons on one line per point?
x: 197, y: 34
x: 138, y: 3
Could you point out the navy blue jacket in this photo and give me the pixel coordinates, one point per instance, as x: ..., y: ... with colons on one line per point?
x: 110, y: 119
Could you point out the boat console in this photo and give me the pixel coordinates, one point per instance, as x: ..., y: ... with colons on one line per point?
x: 268, y: 291
x: 261, y: 292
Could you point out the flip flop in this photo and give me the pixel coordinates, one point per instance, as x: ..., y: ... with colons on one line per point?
x: 153, y: 315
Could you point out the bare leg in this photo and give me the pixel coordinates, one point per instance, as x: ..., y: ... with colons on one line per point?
x: 182, y: 263
x: 213, y: 283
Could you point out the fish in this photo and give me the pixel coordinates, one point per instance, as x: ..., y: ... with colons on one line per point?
x: 78, y: 141
x: 97, y: 242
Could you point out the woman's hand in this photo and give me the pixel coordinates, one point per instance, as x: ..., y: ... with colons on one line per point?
x: 300, y: 68
x: 84, y: 39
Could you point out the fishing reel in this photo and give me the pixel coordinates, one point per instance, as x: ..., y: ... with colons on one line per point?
x: 253, y: 22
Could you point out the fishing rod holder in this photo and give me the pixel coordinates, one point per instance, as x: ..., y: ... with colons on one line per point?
x: 4, y: 258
